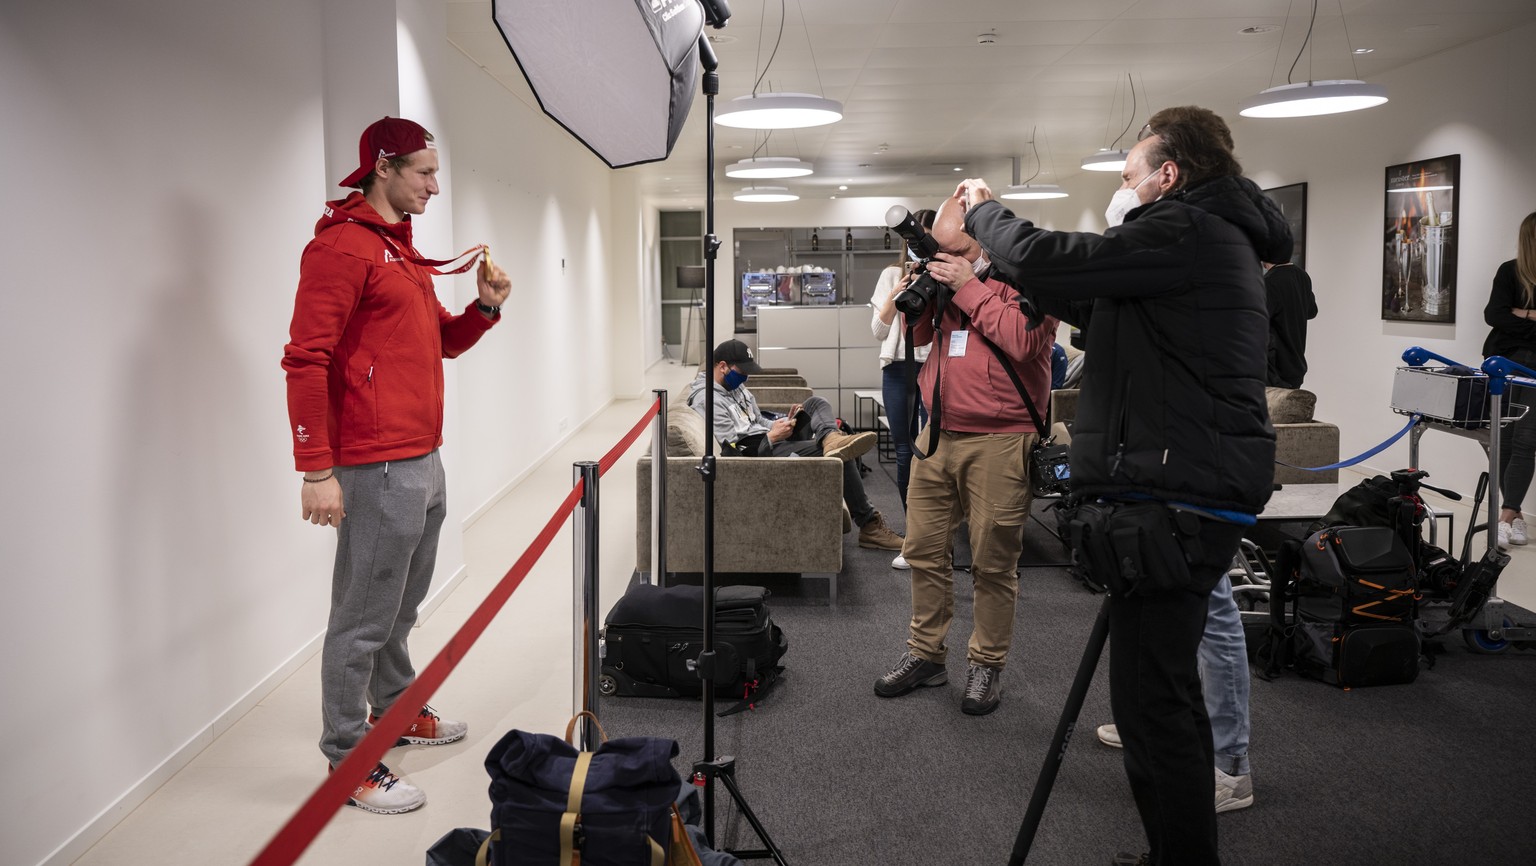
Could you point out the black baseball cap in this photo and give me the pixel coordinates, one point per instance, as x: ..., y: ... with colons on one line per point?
x: 736, y: 353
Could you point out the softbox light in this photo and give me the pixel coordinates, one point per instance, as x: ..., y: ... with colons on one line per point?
x: 617, y: 74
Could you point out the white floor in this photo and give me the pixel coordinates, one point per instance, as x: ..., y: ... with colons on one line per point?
x: 224, y: 806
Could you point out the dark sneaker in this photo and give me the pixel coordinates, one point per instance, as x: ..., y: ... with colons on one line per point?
x: 983, y: 690
x: 910, y: 674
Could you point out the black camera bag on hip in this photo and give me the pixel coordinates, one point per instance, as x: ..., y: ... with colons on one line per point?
x: 653, y: 636
x: 1344, y: 608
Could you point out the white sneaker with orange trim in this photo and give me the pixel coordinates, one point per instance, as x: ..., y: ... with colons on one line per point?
x: 384, y: 793
x: 429, y: 729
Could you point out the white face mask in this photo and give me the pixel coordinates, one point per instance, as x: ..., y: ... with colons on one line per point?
x: 1123, y: 202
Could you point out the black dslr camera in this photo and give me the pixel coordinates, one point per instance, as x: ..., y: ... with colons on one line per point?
x: 925, y: 289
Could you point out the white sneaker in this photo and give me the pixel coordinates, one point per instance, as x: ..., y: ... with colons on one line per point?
x: 1109, y: 735
x: 1233, y: 792
x: 1505, y: 531
x: 901, y: 563
x: 1517, y: 534
x: 429, y: 729
x: 384, y: 793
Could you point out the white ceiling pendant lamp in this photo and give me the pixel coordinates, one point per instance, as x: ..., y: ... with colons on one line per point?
x: 780, y: 110
x: 1313, y: 98
x: 1032, y: 191
x: 756, y: 167
x: 1112, y: 158
x: 765, y: 193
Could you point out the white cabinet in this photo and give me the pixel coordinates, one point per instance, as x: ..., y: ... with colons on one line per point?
x: 832, y: 347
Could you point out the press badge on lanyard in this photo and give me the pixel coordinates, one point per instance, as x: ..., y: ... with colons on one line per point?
x: 957, y: 343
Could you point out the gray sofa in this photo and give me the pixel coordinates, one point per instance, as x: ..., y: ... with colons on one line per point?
x: 1300, y: 440
x: 772, y: 514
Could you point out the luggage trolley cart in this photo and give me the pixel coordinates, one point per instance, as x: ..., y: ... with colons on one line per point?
x: 1467, y: 402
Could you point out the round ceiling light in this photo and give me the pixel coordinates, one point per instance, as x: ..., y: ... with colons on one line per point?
x: 769, y: 166
x: 1106, y: 160
x: 779, y: 111
x: 1312, y: 98
x: 765, y: 193
x: 1034, y: 191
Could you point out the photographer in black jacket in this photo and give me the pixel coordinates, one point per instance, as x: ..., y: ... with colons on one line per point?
x: 1172, y: 452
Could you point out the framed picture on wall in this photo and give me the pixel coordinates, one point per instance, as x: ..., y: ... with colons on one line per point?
x: 1418, y: 265
x: 1292, y: 200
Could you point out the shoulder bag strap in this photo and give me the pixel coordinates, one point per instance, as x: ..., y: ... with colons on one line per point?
x: 1014, y: 375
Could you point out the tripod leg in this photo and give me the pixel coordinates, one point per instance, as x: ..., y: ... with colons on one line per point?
x: 729, y: 780
x: 1063, y: 736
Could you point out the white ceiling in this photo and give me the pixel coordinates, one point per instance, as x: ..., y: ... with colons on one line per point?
x: 921, y: 96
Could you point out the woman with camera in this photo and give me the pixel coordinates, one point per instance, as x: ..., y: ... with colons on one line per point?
x: 894, y: 364
x: 1511, y: 313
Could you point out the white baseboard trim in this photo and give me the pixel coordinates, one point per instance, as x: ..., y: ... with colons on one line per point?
x: 77, y: 845
x: 435, y: 600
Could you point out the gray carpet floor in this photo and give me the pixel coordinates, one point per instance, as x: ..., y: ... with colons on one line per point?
x: 1427, y: 773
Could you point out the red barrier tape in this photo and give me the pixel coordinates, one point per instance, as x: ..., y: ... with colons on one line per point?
x: 333, y: 793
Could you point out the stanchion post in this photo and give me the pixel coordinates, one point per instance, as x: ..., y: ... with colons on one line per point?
x: 659, y: 490
x: 585, y: 619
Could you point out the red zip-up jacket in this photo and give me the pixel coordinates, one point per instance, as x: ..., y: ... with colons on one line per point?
x: 365, y: 349
x: 978, y: 396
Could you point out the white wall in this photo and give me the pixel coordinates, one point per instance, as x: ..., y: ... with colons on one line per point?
x: 1474, y: 101
x: 166, y: 161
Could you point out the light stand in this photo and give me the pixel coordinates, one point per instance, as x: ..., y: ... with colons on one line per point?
x: 694, y: 278
x: 711, y: 768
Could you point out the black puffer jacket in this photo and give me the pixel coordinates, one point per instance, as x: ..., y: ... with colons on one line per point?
x: 1172, y: 402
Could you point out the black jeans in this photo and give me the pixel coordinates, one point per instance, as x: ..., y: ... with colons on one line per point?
x: 1517, y: 457
x: 1154, y: 687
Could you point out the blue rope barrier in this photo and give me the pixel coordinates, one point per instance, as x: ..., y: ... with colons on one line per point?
x: 1414, y: 419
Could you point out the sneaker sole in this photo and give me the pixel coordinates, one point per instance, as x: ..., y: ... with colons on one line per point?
x: 358, y: 804
x: 938, y: 679
x: 1234, y: 805
x: 980, y: 711
x: 433, y: 741
x: 1113, y: 744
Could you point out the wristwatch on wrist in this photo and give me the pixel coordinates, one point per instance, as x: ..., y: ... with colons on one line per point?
x: 489, y: 311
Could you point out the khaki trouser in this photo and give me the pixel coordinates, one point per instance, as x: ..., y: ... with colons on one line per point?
x: 980, y: 477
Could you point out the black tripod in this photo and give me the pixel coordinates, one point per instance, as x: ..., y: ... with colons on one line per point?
x: 711, y: 768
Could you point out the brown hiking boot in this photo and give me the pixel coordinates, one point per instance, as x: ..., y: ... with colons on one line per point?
x: 847, y: 446
x: 877, y: 536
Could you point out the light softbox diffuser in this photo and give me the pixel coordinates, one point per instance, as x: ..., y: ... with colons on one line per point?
x: 617, y: 74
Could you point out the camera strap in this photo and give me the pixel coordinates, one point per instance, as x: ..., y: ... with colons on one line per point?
x: 1013, y: 374
x: 935, y: 354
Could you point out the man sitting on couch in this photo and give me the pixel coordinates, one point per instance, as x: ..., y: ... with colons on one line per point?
x: 809, y: 429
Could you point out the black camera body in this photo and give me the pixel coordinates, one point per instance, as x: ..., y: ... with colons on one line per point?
x: 924, y: 290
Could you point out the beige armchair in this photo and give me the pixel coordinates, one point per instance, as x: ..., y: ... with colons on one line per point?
x: 772, y: 514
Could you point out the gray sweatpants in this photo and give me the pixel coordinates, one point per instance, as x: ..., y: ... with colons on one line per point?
x: 385, y: 550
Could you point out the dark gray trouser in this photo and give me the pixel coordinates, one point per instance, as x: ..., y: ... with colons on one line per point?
x: 819, y: 421
x: 385, y: 550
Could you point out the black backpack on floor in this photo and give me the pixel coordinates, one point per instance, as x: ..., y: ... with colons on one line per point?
x: 653, y: 634
x: 1343, y: 609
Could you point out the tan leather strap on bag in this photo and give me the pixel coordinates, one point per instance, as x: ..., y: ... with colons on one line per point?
x: 485, y: 848
x: 570, y: 727
x: 569, y: 856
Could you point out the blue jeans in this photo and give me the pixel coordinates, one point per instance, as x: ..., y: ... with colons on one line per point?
x: 1224, y: 680
x: 893, y: 389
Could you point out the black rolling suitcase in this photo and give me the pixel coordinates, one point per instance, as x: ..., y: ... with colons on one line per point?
x: 652, y: 634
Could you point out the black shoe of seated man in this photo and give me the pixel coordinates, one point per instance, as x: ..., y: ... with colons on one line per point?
x: 1125, y: 859
x: 983, y: 690
x: 910, y: 674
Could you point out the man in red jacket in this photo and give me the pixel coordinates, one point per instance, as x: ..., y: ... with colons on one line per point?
x: 978, y: 439
x: 365, y: 401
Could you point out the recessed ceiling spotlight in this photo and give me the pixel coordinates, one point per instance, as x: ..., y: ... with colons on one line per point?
x: 1258, y: 28
x: 958, y: 168
x: 843, y: 186
x: 987, y: 38
x: 1359, y: 51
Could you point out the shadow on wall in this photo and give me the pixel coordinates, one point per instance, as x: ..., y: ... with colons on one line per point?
x: 186, y: 571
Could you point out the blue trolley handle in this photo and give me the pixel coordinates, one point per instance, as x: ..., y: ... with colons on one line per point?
x: 1500, y: 369
x: 1418, y: 357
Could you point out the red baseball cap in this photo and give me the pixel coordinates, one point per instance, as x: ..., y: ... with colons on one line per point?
x: 385, y: 138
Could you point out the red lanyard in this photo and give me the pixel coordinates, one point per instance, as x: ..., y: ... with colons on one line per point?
x: 411, y: 255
